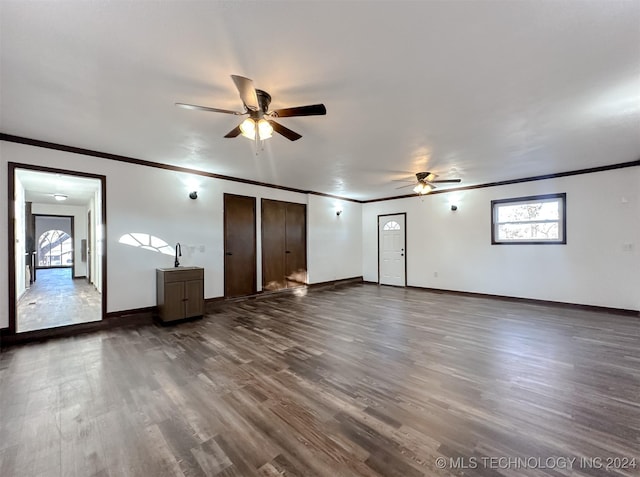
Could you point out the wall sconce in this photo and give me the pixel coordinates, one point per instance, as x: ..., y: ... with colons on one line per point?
x: 193, y: 195
x: 454, y: 207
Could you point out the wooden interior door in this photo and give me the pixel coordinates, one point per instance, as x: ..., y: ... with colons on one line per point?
x: 239, y: 245
x: 273, y: 244
x: 296, y: 245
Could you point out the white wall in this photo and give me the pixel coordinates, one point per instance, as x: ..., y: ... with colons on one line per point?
x: 335, y: 244
x: 79, y: 214
x: 96, y: 247
x: 20, y: 242
x: 155, y: 201
x: 593, y: 268
x: 4, y: 240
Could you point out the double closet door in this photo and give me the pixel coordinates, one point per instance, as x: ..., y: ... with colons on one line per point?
x: 284, y: 245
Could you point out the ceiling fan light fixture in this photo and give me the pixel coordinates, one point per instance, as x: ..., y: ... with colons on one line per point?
x: 422, y: 188
x: 248, y: 128
x: 256, y: 104
x: 265, y: 130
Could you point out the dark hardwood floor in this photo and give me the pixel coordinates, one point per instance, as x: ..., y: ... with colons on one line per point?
x: 355, y: 381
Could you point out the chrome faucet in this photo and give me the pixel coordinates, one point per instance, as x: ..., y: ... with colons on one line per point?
x: 178, y: 254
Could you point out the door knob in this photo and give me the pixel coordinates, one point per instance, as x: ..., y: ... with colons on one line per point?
x: 228, y: 253
x: 287, y: 251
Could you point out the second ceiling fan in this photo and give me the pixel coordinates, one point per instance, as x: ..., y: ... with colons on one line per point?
x: 260, y: 124
x: 424, y: 182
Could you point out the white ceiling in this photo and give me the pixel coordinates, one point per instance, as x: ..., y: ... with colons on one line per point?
x: 41, y: 186
x: 485, y: 91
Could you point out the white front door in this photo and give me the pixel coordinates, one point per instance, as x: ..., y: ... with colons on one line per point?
x: 391, y: 245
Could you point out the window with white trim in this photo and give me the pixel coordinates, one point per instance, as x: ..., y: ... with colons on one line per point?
x: 539, y: 219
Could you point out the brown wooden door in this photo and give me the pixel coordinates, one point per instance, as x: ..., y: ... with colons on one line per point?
x: 239, y: 245
x: 296, y: 245
x: 273, y: 244
x: 284, y: 245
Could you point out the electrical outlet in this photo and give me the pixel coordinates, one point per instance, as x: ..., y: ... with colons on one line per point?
x: 201, y: 248
x: 627, y: 247
x: 435, y: 274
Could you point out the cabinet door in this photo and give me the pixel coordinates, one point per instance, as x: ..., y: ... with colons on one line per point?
x: 296, y: 245
x: 173, y: 301
x: 194, y: 294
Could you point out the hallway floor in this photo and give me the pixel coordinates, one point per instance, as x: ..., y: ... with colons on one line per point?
x: 55, y: 299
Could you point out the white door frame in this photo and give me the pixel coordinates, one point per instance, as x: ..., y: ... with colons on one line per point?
x: 404, y: 232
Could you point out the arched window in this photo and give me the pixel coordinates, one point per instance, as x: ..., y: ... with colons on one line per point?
x: 55, y: 248
x: 391, y: 225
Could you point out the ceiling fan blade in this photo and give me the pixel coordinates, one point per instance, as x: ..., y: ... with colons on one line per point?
x: 286, y: 132
x: 311, y: 110
x: 408, y: 185
x: 235, y: 132
x: 444, y: 181
x: 247, y: 92
x: 206, y: 108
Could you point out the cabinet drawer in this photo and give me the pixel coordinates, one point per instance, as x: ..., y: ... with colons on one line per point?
x: 183, y: 275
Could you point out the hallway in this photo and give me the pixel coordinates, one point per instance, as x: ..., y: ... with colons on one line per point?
x: 55, y: 299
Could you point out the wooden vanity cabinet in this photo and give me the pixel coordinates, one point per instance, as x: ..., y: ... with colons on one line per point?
x: 180, y: 293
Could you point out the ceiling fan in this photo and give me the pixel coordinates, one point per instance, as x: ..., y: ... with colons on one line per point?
x: 424, y: 182
x: 260, y: 124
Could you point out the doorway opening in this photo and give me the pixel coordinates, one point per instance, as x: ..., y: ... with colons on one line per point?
x: 51, y: 238
x: 54, y: 249
x: 57, y: 257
